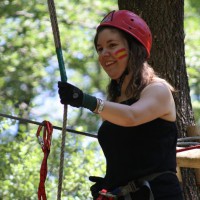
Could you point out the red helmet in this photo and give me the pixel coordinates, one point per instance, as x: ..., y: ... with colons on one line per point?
x: 130, y: 23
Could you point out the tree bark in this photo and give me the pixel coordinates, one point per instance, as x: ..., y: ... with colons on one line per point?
x: 165, y: 19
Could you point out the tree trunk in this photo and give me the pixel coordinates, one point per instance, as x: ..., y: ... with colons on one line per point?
x: 165, y: 19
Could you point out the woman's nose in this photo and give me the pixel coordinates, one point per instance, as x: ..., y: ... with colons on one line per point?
x: 105, y: 52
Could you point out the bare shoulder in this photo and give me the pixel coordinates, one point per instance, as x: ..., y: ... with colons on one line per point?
x: 160, y: 93
x: 158, y: 88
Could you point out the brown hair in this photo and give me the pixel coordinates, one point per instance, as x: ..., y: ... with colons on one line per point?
x: 143, y: 73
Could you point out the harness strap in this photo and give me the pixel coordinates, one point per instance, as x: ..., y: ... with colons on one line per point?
x: 133, y: 186
x: 45, y: 143
x: 146, y: 183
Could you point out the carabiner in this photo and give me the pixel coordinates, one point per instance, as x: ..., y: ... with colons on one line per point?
x: 40, y: 141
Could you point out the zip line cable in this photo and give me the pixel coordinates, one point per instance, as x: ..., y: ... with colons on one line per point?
x: 55, y: 127
x: 186, y: 141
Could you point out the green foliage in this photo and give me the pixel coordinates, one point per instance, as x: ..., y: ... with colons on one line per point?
x: 192, y: 43
x: 21, y: 161
x: 28, y: 80
x: 19, y: 165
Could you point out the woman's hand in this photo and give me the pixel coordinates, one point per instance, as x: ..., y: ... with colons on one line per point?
x: 97, y: 186
x: 69, y: 94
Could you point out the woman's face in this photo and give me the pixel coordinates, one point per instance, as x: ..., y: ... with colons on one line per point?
x: 113, y: 52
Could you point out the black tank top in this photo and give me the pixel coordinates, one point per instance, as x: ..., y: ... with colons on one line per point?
x: 134, y: 152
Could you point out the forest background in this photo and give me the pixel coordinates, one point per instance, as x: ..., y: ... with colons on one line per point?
x: 28, y: 80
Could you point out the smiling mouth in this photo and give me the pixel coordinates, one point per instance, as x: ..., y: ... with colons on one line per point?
x: 109, y: 63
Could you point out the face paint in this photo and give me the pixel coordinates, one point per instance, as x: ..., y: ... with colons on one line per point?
x: 121, y: 53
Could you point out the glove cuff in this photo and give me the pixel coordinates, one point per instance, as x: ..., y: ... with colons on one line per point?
x: 89, y: 102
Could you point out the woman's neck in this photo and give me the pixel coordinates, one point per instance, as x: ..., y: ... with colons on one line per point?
x: 123, y: 96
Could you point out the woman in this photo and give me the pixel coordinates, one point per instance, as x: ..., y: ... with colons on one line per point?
x: 138, y: 135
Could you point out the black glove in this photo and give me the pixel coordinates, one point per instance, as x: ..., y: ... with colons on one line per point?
x: 97, y: 186
x: 69, y: 94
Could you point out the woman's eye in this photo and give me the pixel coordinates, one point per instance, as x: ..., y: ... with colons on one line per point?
x: 112, y: 45
x: 99, y: 50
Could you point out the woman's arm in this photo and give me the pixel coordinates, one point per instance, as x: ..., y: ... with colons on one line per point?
x: 156, y: 101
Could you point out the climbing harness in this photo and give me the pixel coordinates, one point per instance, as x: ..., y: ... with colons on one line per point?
x: 131, y: 187
x: 45, y: 142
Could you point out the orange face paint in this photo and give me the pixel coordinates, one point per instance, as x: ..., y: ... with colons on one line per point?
x: 121, y: 53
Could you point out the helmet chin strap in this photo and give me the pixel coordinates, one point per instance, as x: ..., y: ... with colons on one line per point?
x: 120, y: 82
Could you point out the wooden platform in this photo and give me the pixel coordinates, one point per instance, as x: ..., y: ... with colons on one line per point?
x: 189, y: 159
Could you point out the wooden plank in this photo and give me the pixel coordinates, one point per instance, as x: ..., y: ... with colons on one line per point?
x: 195, y: 131
x: 179, y: 174
x: 189, y: 159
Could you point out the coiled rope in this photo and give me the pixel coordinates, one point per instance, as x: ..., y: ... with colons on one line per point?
x: 188, y: 143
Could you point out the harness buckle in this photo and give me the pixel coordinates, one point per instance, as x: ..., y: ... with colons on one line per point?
x: 109, y: 195
x: 132, y: 186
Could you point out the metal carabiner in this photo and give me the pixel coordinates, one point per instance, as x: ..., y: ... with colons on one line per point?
x: 40, y: 141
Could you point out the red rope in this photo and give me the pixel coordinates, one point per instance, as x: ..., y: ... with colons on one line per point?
x: 45, y: 145
x: 188, y: 148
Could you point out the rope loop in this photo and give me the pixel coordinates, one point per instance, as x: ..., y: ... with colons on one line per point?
x: 45, y: 142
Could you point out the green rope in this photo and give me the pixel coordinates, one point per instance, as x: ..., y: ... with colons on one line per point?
x: 61, y: 65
